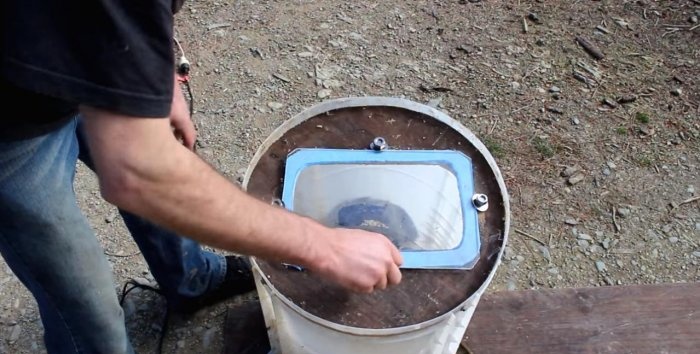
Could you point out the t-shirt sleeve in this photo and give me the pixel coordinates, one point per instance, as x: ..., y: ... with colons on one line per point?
x: 112, y: 54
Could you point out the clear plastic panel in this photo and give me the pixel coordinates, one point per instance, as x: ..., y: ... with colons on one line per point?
x: 417, y: 206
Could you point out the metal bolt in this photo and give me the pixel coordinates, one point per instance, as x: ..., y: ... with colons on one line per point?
x: 481, y: 202
x: 378, y: 144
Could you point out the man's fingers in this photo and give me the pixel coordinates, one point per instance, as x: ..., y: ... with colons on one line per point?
x: 186, y: 136
x: 394, y: 275
x: 189, y: 135
x: 396, y: 255
x: 382, y: 284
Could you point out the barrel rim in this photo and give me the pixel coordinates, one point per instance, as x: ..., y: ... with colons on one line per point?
x: 377, y: 101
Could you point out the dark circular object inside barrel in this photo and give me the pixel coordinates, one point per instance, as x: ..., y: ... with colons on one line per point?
x: 423, y: 294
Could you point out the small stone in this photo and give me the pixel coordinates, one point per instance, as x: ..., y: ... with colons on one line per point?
x: 569, y: 171
x: 545, y: 253
x: 110, y: 218
x: 691, y: 190
x: 324, y: 93
x: 583, y: 244
x: 626, y: 99
x: 571, y: 222
x: 676, y: 92
x: 208, y: 337
x: 553, y: 271
x: 305, y: 54
x: 606, y: 171
x: 332, y: 83
x: 667, y: 228
x: 519, y: 258
x: 468, y: 49
x: 606, y: 243
x: 611, y: 165
x: 143, y: 281
x: 511, y: 286
x: 575, y: 121
x: 646, y: 131
x: 651, y: 236
x: 575, y: 179
x: 515, y: 85
x: 534, y: 17
x: 327, y: 72
x: 610, y: 103
x: 15, y: 333
x: 693, y: 19
x: 540, y: 90
x: 181, y: 343
x: 596, y: 249
x: 696, y: 254
x: 435, y: 102
x: 274, y: 106
x: 585, y: 237
x: 554, y: 89
x: 697, y: 226
x: 623, y: 212
x: 673, y: 239
x: 600, y: 265
x: 555, y: 110
x: 281, y: 78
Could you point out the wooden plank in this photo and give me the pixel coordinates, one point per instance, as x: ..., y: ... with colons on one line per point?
x: 628, y: 319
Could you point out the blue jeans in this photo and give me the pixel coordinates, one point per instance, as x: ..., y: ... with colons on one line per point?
x: 51, y: 248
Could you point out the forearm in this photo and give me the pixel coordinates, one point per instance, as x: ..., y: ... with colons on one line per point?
x: 161, y: 180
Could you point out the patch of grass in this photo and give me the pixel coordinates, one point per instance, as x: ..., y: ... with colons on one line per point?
x: 621, y: 131
x: 543, y: 147
x: 494, y: 147
x: 642, y: 117
x: 644, y: 161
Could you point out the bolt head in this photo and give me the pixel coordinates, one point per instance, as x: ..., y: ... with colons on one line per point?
x: 480, y: 201
x: 378, y: 144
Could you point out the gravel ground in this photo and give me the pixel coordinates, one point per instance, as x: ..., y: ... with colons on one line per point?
x: 600, y: 156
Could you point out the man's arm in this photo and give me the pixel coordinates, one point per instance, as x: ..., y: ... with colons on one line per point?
x: 142, y: 168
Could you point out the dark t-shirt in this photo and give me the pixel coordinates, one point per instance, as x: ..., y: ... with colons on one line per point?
x: 57, y: 54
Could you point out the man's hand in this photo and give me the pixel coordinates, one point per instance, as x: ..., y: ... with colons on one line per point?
x: 180, y: 120
x: 361, y: 261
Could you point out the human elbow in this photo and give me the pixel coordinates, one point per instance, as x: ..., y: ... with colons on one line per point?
x: 121, y: 188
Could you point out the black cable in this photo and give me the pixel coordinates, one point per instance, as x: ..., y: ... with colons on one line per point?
x: 164, y: 328
x: 189, y: 93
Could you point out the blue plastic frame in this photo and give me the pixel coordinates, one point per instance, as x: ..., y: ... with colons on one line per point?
x: 463, y: 256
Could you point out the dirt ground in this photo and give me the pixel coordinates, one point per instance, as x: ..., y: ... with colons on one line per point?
x: 602, y: 192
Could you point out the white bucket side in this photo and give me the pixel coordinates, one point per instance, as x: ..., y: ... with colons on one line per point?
x: 292, y: 333
x: 293, y: 330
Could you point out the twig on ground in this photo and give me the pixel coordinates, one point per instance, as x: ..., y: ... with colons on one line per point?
x: 614, y: 219
x: 688, y: 201
x: 591, y: 48
x: 121, y: 255
x: 530, y: 237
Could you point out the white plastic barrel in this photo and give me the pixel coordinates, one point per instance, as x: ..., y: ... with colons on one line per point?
x: 292, y: 330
